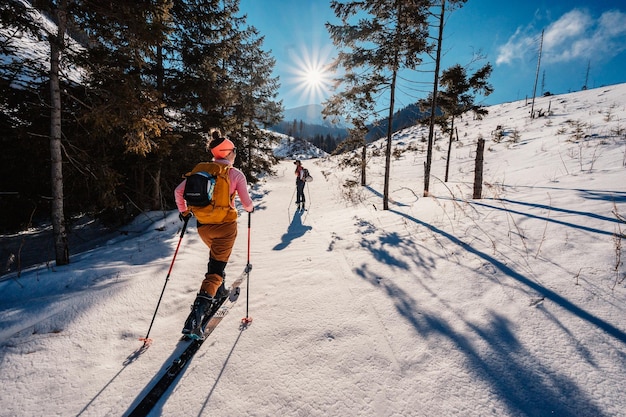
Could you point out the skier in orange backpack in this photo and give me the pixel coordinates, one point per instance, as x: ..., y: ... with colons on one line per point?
x: 217, y: 223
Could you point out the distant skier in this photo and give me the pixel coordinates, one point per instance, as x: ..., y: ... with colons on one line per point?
x: 217, y: 222
x: 300, y: 182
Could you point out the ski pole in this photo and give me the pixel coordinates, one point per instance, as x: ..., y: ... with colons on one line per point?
x: 146, y: 340
x: 309, y: 195
x: 290, y: 201
x: 292, y: 195
x: 246, y: 320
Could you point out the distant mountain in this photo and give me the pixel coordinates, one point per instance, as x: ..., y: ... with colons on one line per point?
x: 403, y: 118
x: 307, y: 122
x: 312, y: 114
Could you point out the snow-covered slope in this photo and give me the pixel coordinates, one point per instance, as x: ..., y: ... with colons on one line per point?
x: 34, y: 55
x: 291, y: 148
x: 511, y: 305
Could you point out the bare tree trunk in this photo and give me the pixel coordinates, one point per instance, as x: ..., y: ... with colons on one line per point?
x: 56, y: 157
x: 388, y: 148
x: 478, y: 170
x: 449, y: 149
x: 532, y: 107
x: 250, y: 146
x: 363, y: 162
x: 433, y: 105
x: 157, y: 200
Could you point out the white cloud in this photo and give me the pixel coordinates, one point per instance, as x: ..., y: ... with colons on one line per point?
x: 574, y: 35
x: 570, y: 26
x: 516, y: 47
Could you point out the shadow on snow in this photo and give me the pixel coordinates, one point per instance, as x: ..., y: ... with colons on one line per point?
x: 530, y: 390
x: 294, y: 231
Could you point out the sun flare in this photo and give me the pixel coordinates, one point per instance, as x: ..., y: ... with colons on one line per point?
x: 312, y: 78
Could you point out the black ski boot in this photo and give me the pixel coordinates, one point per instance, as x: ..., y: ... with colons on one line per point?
x: 222, y: 292
x: 193, y: 324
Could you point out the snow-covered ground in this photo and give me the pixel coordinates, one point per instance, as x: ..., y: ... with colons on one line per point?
x: 511, y: 305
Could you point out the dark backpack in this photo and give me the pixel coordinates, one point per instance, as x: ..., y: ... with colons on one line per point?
x: 306, y: 177
x: 199, y: 189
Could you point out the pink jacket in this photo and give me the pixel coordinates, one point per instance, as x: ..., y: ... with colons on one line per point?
x: 238, y: 184
x: 300, y: 173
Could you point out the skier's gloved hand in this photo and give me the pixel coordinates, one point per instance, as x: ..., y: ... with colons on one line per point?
x: 185, y: 216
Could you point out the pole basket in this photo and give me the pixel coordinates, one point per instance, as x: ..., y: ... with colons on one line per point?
x: 146, y: 341
x: 245, y: 322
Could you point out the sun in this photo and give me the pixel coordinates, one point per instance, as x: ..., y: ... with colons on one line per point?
x: 312, y: 77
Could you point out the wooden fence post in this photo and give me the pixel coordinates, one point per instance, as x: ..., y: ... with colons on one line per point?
x: 478, y: 169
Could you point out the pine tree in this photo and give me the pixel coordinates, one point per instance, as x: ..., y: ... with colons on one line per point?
x: 388, y: 36
x: 57, y: 46
x: 56, y: 40
x: 123, y: 108
x: 440, y: 17
x: 25, y: 119
x: 155, y: 76
x: 254, y: 104
x: 204, y: 41
x: 459, y: 93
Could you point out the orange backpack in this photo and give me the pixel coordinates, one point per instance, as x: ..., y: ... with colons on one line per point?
x: 218, y: 210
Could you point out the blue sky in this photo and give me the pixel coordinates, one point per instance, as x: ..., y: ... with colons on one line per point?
x: 578, y: 36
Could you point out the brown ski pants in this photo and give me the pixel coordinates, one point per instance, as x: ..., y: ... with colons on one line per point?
x: 220, y: 238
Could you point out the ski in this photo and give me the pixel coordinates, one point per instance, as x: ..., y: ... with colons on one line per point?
x: 218, y: 310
